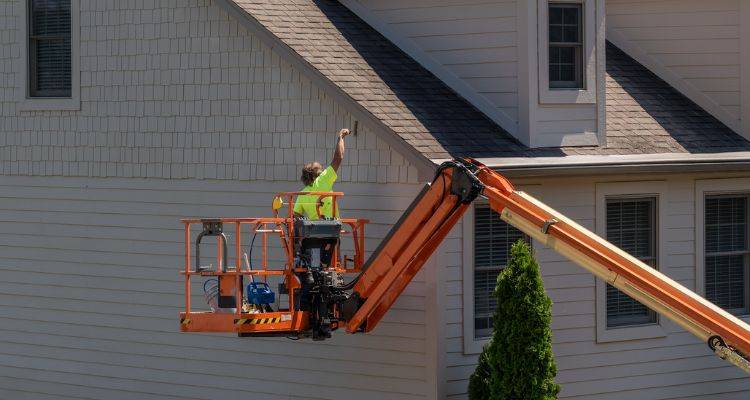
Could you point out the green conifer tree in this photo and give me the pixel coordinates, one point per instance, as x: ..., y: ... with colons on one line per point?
x: 517, y: 363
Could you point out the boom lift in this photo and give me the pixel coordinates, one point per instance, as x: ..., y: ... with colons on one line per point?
x: 318, y: 300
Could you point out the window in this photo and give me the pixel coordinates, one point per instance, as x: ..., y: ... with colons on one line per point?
x: 566, y: 69
x: 493, y: 238
x: 570, y: 54
x: 49, y: 48
x: 727, y: 252
x: 627, y: 215
x: 631, y: 226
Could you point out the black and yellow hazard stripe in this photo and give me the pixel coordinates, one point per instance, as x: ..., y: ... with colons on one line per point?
x: 184, y: 321
x: 248, y: 321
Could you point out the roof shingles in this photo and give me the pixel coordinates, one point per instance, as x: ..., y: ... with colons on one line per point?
x: 644, y: 114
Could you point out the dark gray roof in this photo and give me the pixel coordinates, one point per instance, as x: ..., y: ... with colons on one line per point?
x: 644, y: 114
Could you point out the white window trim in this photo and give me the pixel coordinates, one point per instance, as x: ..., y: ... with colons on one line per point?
x: 655, y: 189
x: 703, y: 188
x: 568, y: 96
x: 27, y: 103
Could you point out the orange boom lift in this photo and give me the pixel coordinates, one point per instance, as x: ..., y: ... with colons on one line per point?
x: 318, y: 299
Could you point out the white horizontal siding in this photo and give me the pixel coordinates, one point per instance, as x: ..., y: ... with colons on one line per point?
x: 678, y: 366
x: 473, y: 41
x: 697, y: 41
x: 91, y: 294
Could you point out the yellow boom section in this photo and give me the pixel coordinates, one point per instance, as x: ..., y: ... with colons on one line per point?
x: 728, y: 336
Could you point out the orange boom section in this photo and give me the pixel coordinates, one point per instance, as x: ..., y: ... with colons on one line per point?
x: 409, y: 244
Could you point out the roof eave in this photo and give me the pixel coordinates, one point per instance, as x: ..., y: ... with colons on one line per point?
x: 618, y: 164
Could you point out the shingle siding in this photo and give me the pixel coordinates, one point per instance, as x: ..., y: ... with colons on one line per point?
x: 180, y: 92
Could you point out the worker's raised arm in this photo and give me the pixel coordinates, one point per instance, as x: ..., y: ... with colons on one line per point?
x: 338, y: 153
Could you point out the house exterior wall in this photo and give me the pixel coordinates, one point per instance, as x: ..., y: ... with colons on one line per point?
x: 698, y: 50
x: 672, y: 365
x: 183, y: 112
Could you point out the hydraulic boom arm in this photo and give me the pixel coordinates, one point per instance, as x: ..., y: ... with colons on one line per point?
x: 439, y: 206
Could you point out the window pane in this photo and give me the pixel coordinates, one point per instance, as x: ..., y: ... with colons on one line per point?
x: 566, y: 47
x: 726, y: 224
x: 554, y: 72
x: 568, y: 56
x: 570, y: 34
x: 631, y: 226
x: 50, y: 48
x: 555, y: 14
x: 622, y: 310
x: 493, y: 239
x: 554, y: 55
x: 567, y: 73
x: 53, y: 65
x: 725, y: 281
x: 572, y: 15
x: 51, y: 17
x: 726, y: 246
x: 555, y: 34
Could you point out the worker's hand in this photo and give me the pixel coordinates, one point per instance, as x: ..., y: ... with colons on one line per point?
x: 344, y: 133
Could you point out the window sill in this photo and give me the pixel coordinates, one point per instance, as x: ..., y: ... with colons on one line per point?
x: 566, y: 96
x: 49, y: 104
x: 621, y: 334
x: 474, y: 346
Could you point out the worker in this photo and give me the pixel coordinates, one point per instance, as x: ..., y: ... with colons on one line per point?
x: 317, y: 179
x: 314, y: 207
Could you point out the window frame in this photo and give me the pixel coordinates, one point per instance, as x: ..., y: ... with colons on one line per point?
x: 26, y: 102
x: 578, y: 47
x: 587, y: 92
x: 744, y: 253
x: 703, y: 189
x: 471, y: 343
x: 635, y: 190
